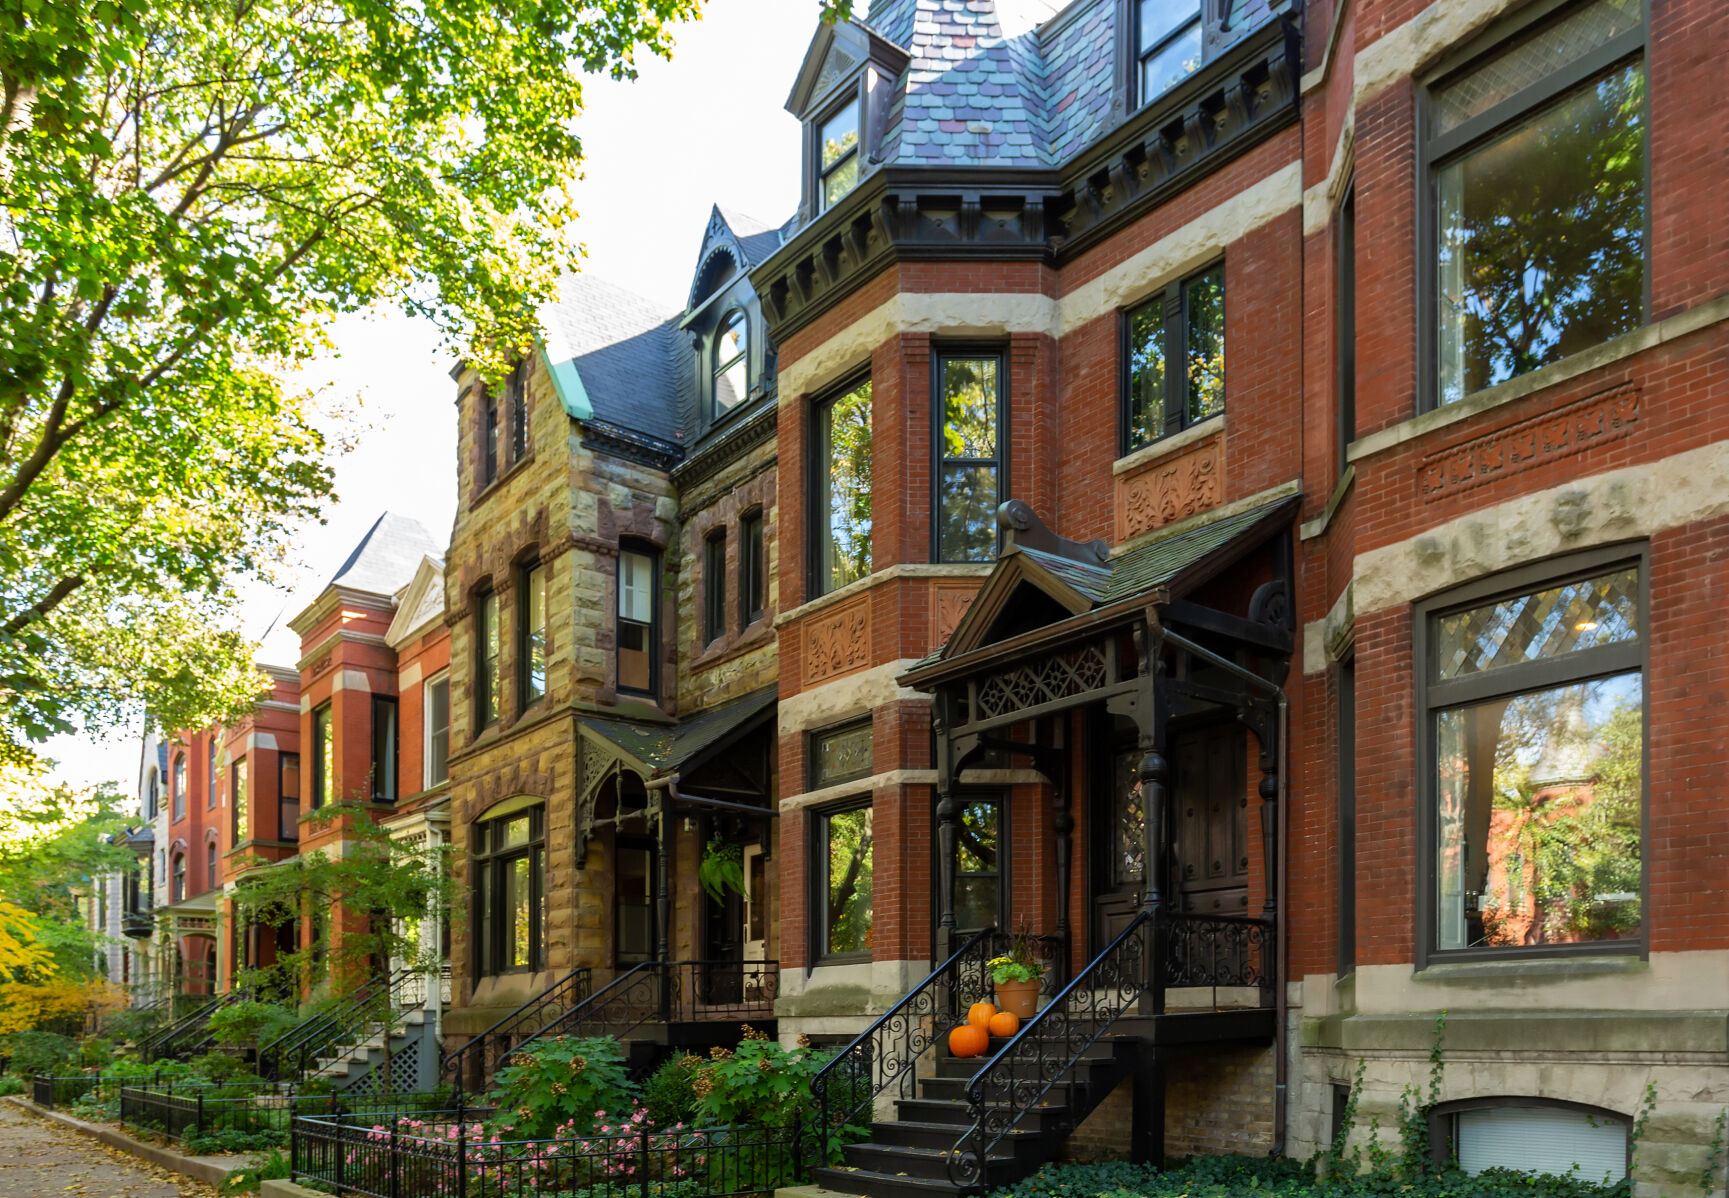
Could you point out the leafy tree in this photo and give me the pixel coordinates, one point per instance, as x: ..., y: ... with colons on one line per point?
x: 190, y: 193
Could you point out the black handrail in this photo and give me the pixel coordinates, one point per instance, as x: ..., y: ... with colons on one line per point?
x: 493, y: 1044
x: 1052, y: 1043
x: 887, y: 1052
x: 379, y: 1000
x: 186, y: 1036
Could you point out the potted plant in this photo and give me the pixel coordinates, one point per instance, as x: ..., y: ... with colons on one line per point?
x: 1017, y: 975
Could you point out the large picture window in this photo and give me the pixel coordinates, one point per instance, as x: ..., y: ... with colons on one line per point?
x: 1534, y: 719
x: 638, y: 628
x: 970, y: 458
x: 1536, y: 161
x: 844, y: 867
x: 509, y: 894
x: 841, y: 488
x: 1174, y: 373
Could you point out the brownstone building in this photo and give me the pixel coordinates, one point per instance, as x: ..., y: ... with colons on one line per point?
x: 1227, y: 489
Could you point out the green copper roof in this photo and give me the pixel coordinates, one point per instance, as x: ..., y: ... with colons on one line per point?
x: 666, y: 748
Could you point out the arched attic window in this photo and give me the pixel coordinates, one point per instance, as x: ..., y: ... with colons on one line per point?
x: 731, y: 362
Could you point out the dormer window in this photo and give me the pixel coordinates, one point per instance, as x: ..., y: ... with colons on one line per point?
x: 838, y: 154
x: 731, y: 362
x: 1168, y: 44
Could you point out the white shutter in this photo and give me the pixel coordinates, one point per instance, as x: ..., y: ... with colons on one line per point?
x: 1542, y: 1139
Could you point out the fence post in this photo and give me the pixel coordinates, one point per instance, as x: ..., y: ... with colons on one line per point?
x: 293, y: 1147
x: 200, y: 1123
x: 395, y: 1159
x: 461, y: 1149
x: 644, y: 1182
x: 341, y: 1148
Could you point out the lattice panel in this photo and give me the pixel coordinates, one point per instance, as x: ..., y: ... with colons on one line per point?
x: 401, y: 1078
x: 1551, y: 623
x: 1043, y: 680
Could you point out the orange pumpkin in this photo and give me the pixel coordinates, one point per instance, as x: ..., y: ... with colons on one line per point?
x: 1005, y: 1023
x: 980, y: 1014
x: 969, y: 1040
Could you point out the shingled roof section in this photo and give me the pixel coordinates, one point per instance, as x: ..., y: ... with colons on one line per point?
x: 387, y: 555
x: 758, y: 239
x: 625, y: 349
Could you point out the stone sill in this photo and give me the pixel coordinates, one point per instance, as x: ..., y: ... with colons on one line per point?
x: 885, y: 575
x: 1172, y: 444
x: 1527, y: 970
x: 1650, y: 336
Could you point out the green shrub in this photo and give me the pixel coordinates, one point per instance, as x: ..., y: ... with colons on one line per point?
x: 251, y: 1023
x: 40, y: 1052
x: 1265, y: 1177
x: 552, y: 1082
x: 271, y: 1168
x: 669, y: 1096
x: 11, y: 1085
x: 222, y: 1067
x: 760, y: 1084
x: 94, y: 1052
x: 228, y: 1141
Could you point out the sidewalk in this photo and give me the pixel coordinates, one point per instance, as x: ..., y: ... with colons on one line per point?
x: 39, y: 1159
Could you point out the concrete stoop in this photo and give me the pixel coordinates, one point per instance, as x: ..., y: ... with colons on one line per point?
x: 211, y: 1170
x: 414, y: 1060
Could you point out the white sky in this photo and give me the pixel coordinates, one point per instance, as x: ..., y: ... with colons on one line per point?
x: 707, y: 127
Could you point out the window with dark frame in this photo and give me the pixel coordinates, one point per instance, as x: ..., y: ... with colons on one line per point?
x: 844, y: 863
x: 211, y: 881
x: 638, y: 621
x: 1533, y: 719
x: 1345, y: 314
x: 323, y: 758
x: 1535, y: 160
x: 1167, y: 45
x: 978, y: 866
x: 971, y: 433
x: 486, y: 679
x: 714, y: 586
x: 531, y: 634
x: 153, y: 790
x: 731, y: 366
x: 516, y: 391
x: 509, y: 892
x: 841, y: 754
x: 384, y: 749
x: 752, y: 567
x: 178, y: 786
x: 489, y: 439
x: 841, y: 488
x: 237, y: 802
x: 177, y: 880
x: 288, y: 796
x: 837, y: 154
x: 1174, y: 359
x: 438, y: 730
x: 211, y: 748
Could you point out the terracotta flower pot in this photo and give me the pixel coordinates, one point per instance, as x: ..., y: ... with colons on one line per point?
x: 1020, y: 999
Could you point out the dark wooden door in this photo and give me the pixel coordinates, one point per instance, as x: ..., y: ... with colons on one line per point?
x: 1211, y: 821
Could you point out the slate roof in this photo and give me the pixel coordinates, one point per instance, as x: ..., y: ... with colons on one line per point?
x: 665, y: 748
x: 625, y: 349
x: 1009, y: 83
x: 387, y: 555
x: 758, y: 239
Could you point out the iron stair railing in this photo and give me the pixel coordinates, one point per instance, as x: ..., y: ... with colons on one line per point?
x: 187, y: 1035
x: 1158, y: 949
x: 470, y: 1066
x: 342, y: 1029
x: 888, y: 1051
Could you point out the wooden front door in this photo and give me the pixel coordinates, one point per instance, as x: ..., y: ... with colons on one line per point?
x: 1210, y: 822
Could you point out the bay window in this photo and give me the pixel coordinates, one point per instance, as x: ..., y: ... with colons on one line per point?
x: 638, y: 625
x: 509, y: 892
x: 841, y: 488
x: 970, y: 458
x: 323, y: 758
x: 485, y: 660
x: 531, y: 635
x: 845, y: 873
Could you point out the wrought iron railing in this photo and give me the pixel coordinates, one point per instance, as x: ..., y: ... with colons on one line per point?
x: 887, y: 1053
x: 1050, y: 1045
x: 1218, y: 952
x: 186, y: 1035
x: 187, y: 1112
x: 453, y: 1153
x: 338, y: 1032
x: 470, y: 1066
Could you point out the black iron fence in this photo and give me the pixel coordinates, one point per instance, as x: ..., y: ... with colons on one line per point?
x: 49, y: 1091
x: 255, y: 1110
x: 453, y: 1154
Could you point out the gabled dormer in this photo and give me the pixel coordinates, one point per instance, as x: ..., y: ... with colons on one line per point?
x: 733, y: 363
x: 841, y: 97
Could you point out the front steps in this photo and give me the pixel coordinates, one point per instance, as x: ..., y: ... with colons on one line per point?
x: 359, y: 1068
x: 908, y: 1156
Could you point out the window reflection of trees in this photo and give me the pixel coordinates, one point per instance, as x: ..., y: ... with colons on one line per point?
x: 849, y: 881
x: 846, y: 433
x: 969, y: 479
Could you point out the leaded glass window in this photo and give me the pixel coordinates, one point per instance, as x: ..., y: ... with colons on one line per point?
x: 1128, y: 824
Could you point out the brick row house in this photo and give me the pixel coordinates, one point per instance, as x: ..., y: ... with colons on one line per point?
x: 1223, y: 489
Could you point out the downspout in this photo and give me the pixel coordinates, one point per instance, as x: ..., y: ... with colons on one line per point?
x: 1281, y: 1005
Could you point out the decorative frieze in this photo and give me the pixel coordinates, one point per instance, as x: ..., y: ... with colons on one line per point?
x: 838, y: 641
x: 1172, y: 488
x: 949, y: 602
x: 1594, y: 420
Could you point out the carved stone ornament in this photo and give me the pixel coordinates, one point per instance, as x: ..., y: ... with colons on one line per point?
x: 1171, y: 489
x: 838, y: 641
x: 949, y: 602
x: 1594, y: 420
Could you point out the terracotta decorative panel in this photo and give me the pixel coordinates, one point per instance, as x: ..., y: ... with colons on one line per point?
x: 949, y: 602
x: 838, y: 641
x: 1594, y: 420
x: 1170, y: 489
